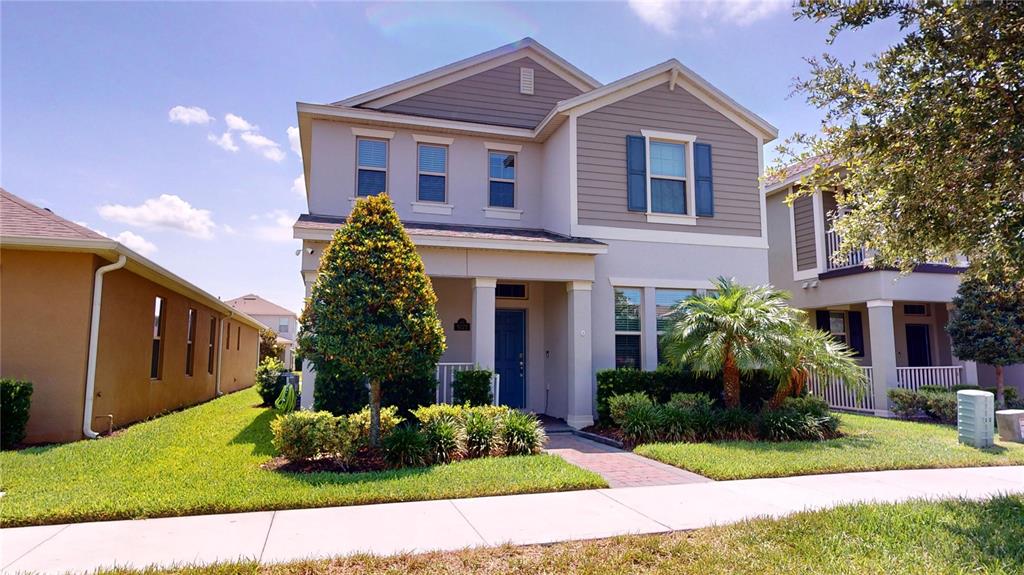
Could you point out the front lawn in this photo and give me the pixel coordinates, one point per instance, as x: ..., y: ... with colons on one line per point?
x: 869, y: 444
x: 907, y: 538
x: 207, y: 460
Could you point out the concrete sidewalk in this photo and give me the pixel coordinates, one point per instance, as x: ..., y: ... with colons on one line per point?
x: 280, y: 536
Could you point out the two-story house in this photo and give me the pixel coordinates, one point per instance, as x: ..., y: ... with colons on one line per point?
x: 558, y: 218
x: 274, y: 317
x: 895, y: 323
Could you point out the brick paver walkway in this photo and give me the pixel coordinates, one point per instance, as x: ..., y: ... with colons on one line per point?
x: 619, y: 468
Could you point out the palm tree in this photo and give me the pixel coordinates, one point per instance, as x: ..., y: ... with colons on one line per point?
x: 812, y: 350
x: 733, y: 330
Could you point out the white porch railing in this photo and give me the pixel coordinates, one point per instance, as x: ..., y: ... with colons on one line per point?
x: 446, y: 377
x: 832, y: 243
x: 915, y: 377
x: 838, y: 395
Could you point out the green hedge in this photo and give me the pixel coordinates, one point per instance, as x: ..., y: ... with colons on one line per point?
x: 15, y: 401
x: 350, y: 396
x: 662, y: 383
x: 473, y: 386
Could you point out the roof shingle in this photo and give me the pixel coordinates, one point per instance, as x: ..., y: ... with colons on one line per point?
x: 20, y: 218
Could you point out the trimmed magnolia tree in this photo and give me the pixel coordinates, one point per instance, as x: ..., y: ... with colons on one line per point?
x: 988, y: 324
x: 371, y: 311
x: 268, y: 343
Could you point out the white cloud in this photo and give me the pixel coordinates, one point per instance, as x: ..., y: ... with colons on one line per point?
x: 293, y: 140
x: 226, y: 141
x: 270, y: 149
x: 168, y: 212
x: 133, y: 241
x: 188, y: 115
x: 665, y: 16
x: 299, y: 186
x: 273, y: 226
x: 238, y: 123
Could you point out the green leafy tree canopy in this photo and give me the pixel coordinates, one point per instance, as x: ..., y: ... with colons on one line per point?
x: 268, y: 343
x: 925, y: 142
x: 371, y: 311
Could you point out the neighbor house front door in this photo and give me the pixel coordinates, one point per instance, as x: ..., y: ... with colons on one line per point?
x: 510, y: 356
x: 918, y: 346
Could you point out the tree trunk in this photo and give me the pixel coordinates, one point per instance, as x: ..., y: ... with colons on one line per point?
x: 1000, y: 388
x: 731, y: 379
x: 374, y: 413
x: 784, y: 389
x: 799, y: 380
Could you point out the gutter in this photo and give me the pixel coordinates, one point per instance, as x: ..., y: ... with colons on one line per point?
x: 94, y: 336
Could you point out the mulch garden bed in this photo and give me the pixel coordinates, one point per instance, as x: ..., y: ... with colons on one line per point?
x: 609, y: 431
x: 367, y: 459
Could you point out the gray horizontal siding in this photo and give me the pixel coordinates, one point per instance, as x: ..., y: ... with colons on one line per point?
x: 492, y: 97
x: 803, y: 222
x: 601, y: 161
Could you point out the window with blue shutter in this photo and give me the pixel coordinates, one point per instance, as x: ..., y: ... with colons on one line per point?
x: 705, y: 195
x: 856, y: 333
x: 432, y: 173
x: 636, y: 173
x: 668, y: 177
x: 371, y: 167
x: 501, y: 171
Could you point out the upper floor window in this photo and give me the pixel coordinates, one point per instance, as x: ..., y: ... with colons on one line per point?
x: 627, y: 327
x: 668, y: 177
x: 190, y: 343
x: 372, y: 166
x: 432, y: 171
x: 282, y: 325
x: 156, y: 359
x: 501, y: 179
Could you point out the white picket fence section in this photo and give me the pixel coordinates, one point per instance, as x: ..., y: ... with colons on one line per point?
x: 840, y: 396
x: 446, y: 377
x: 915, y: 377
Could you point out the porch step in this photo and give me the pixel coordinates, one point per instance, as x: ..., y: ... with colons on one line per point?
x: 553, y: 425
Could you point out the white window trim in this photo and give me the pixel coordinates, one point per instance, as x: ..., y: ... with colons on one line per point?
x: 371, y: 133
x: 503, y: 213
x: 436, y: 208
x: 444, y: 175
x: 503, y: 147
x: 639, y: 333
x: 514, y: 182
x: 429, y: 139
x: 387, y: 164
x: 687, y: 140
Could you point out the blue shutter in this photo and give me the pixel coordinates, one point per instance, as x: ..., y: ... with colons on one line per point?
x: 856, y: 333
x: 702, y: 177
x: 636, y: 174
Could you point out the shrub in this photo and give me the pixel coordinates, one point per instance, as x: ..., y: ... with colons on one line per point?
x: 15, y: 401
x: 446, y: 439
x: 643, y: 421
x: 906, y: 402
x: 620, y: 405
x: 735, y: 424
x: 522, y: 434
x: 799, y: 419
x: 286, y: 401
x: 267, y: 383
x: 428, y: 413
x: 406, y: 446
x: 939, y: 405
x: 807, y: 405
x: 482, y: 433
x: 691, y: 400
x: 303, y: 435
x: 351, y: 394
x: 473, y: 387
x: 360, y: 423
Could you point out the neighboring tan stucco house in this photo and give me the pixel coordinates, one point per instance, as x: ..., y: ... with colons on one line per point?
x: 557, y: 217
x: 895, y: 323
x: 274, y: 317
x: 106, y: 336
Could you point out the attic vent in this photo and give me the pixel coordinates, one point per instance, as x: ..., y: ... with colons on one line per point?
x: 526, y: 81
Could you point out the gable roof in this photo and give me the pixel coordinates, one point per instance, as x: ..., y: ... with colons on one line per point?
x: 24, y: 225
x: 792, y: 174
x: 474, y: 64
x: 253, y: 304
x: 20, y: 218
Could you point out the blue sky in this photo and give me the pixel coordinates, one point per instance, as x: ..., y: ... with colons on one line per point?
x: 115, y: 115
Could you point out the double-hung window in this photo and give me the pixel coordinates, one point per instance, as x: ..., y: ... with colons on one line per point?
x: 210, y: 351
x: 665, y: 303
x: 667, y: 187
x: 837, y: 325
x: 432, y: 172
x: 501, y: 167
x: 282, y: 325
x: 156, y: 359
x: 372, y: 166
x: 627, y: 327
x: 190, y: 343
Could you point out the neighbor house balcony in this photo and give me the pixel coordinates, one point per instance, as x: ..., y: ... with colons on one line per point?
x: 847, y: 398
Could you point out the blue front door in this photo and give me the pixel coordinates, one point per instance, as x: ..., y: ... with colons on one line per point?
x: 510, y: 356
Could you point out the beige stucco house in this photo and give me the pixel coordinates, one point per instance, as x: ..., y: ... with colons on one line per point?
x: 106, y: 336
x: 896, y: 323
x: 277, y: 318
x: 557, y: 217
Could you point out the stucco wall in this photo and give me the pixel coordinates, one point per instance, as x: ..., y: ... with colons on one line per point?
x: 45, y: 301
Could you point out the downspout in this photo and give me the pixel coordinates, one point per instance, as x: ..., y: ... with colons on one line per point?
x: 94, y: 336
x: 220, y: 350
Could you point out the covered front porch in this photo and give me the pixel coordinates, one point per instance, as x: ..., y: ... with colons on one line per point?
x: 899, y: 344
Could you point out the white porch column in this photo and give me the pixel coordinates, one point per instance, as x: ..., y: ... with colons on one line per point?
x: 649, y: 331
x: 580, y: 378
x: 483, y: 322
x: 969, y: 369
x: 308, y: 373
x: 883, y: 351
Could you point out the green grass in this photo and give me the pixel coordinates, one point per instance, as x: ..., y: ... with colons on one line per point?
x: 869, y: 444
x: 207, y: 460
x: 907, y: 538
